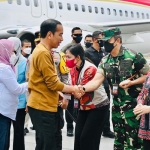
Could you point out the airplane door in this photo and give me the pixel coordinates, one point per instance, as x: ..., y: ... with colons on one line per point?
x: 51, y: 9
x: 36, y: 8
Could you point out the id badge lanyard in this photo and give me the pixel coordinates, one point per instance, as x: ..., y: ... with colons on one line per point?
x: 76, y: 101
x: 115, y: 85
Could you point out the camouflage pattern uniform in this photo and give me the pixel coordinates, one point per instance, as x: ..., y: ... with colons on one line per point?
x: 125, y: 123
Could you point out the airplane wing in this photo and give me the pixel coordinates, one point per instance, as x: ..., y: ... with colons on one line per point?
x: 127, y: 27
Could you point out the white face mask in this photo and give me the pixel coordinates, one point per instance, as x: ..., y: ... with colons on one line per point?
x: 13, y: 59
x: 27, y: 50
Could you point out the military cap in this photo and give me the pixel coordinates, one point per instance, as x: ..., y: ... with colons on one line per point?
x: 37, y: 37
x: 107, y: 34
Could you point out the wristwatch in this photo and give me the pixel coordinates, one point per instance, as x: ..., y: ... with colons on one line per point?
x: 83, y: 88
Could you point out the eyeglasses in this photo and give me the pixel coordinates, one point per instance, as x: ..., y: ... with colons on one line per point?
x: 100, y: 41
x: 77, y: 34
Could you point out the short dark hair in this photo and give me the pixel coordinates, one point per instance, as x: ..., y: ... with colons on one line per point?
x: 48, y: 25
x: 75, y: 28
x: 96, y: 34
x: 77, y: 50
x: 89, y: 35
x: 25, y: 41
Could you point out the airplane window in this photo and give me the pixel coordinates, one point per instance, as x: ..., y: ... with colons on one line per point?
x: 76, y: 7
x: 83, y: 8
x: 138, y: 15
x: 108, y: 11
x: 90, y: 9
x: 115, y: 13
x: 132, y: 14
x: 51, y: 5
x: 9, y: 1
x: 96, y: 10
x: 143, y: 15
x: 147, y: 16
x: 36, y: 4
x: 126, y: 13
x: 120, y: 11
x: 19, y: 2
x: 60, y: 5
x: 27, y: 2
x: 68, y: 6
x: 102, y: 10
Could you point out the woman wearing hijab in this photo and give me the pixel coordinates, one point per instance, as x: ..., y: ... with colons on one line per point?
x: 18, y: 124
x: 9, y: 91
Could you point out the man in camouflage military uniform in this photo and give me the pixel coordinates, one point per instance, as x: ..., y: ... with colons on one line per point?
x: 126, y: 71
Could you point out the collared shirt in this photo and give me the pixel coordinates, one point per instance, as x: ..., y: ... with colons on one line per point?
x: 128, y: 64
x: 9, y: 91
x: 94, y: 55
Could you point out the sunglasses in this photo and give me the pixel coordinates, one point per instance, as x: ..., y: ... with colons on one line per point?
x: 100, y: 41
x: 77, y: 34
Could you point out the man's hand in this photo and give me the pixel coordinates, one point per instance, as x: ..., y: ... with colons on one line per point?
x: 125, y: 84
x: 61, y: 96
x: 26, y: 110
x: 78, y: 91
x: 141, y: 109
x: 64, y: 103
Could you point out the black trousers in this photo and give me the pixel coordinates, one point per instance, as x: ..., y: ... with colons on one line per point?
x: 146, y: 144
x: 107, y: 123
x: 89, y: 127
x: 70, y: 108
x: 18, y: 140
x: 59, y: 126
x: 45, y: 128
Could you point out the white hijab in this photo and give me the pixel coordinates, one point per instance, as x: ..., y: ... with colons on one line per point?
x: 17, y: 46
x: 17, y: 49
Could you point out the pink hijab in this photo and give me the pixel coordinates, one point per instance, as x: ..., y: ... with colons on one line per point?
x: 6, y: 48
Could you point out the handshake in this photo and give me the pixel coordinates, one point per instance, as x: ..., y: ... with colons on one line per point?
x: 78, y: 92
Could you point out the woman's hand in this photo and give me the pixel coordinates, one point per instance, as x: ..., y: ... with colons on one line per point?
x: 125, y: 84
x: 78, y: 91
x: 141, y: 110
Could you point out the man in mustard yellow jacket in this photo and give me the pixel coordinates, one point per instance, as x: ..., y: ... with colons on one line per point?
x: 44, y: 85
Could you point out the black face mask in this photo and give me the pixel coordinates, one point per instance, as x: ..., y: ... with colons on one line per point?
x: 27, y: 55
x: 101, y: 43
x: 77, y: 39
x: 108, y: 46
x: 88, y: 44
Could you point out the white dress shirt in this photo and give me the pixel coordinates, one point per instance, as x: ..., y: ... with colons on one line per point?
x: 9, y: 91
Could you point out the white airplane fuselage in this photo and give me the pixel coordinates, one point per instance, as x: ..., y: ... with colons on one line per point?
x: 82, y: 13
